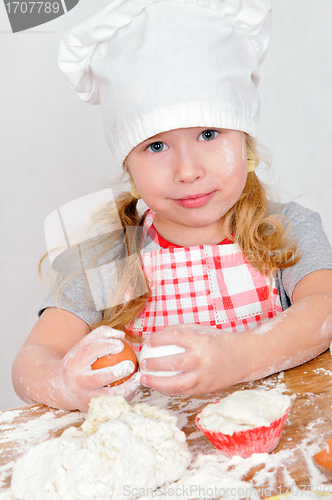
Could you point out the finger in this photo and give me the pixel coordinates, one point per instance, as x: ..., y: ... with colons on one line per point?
x: 129, y: 387
x: 175, y: 362
x: 107, y: 332
x: 99, y: 348
x: 169, y: 336
x: 104, y: 376
x: 183, y: 383
x: 81, y: 358
x: 102, y: 332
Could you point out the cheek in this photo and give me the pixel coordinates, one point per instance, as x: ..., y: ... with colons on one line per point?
x: 225, y: 157
x: 150, y: 184
x: 244, y: 148
x: 233, y: 159
x: 235, y: 182
x: 242, y: 177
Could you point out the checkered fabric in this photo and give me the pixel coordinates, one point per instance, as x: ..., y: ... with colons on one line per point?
x: 211, y: 285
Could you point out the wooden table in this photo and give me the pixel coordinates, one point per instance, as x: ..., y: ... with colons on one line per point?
x: 308, y: 426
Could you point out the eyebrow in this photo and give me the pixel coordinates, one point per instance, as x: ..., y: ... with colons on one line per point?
x: 155, y: 137
x: 152, y: 138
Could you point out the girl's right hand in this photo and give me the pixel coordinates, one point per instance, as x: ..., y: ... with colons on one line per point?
x: 78, y: 382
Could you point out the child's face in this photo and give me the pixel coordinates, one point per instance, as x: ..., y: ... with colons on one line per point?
x: 190, y: 177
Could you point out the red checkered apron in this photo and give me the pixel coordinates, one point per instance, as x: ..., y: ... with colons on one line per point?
x: 211, y: 285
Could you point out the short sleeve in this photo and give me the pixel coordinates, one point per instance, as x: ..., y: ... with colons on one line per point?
x: 92, y: 290
x: 312, y: 243
x: 77, y: 299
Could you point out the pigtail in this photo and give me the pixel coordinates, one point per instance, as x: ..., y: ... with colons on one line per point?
x: 123, y: 245
x: 264, y: 238
x: 120, y: 316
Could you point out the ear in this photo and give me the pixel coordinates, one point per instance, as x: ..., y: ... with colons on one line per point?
x: 133, y: 189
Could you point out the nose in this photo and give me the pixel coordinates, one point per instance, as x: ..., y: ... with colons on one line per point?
x: 188, y: 167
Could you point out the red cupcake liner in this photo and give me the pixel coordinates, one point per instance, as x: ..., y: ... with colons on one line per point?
x: 245, y: 443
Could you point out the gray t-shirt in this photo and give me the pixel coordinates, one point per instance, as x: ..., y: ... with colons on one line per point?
x: 306, y: 228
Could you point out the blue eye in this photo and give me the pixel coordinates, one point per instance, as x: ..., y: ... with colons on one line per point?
x: 156, y: 147
x: 209, y: 134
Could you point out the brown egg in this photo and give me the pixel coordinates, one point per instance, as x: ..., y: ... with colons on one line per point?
x: 113, y: 359
x: 324, y: 457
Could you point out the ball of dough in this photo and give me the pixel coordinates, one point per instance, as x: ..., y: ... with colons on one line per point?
x: 158, y: 352
x: 119, y: 450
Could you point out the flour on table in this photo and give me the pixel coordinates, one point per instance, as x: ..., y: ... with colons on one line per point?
x: 244, y: 410
x: 20, y: 435
x: 117, y: 448
x: 210, y: 475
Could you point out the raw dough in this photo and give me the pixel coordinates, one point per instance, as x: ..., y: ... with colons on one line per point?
x: 117, y: 449
x: 244, y: 410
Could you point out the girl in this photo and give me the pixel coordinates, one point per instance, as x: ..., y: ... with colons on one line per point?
x: 238, y: 281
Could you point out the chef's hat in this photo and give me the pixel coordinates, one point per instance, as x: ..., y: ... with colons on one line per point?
x: 158, y: 65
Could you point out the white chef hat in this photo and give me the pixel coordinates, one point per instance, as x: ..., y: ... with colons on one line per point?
x: 158, y: 65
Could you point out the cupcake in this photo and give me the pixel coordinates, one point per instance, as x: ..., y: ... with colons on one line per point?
x: 245, y: 422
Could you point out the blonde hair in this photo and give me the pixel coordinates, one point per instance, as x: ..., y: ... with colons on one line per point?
x: 264, y: 239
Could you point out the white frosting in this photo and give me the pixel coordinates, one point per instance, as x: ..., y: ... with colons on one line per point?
x: 118, y: 446
x: 158, y: 352
x: 244, y: 410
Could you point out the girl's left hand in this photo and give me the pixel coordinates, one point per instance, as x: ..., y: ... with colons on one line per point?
x: 213, y: 360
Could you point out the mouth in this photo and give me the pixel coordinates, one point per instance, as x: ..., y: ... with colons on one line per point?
x: 194, y: 201
x: 193, y: 196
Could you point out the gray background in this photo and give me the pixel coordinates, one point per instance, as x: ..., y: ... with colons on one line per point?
x: 53, y: 150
